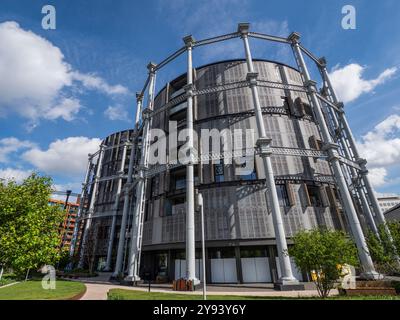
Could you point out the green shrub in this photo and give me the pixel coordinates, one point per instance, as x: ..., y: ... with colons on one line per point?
x: 322, y: 253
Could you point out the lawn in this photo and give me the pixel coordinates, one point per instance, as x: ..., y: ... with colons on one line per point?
x: 32, y: 290
x: 121, y: 294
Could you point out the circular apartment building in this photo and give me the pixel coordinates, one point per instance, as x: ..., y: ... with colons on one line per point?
x: 239, y: 229
x: 296, y: 176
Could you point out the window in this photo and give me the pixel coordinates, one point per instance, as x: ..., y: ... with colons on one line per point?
x: 314, y: 196
x: 315, y: 143
x: 180, y: 183
x: 285, y: 102
x: 155, y: 185
x: 219, y: 171
x: 243, y: 172
x: 168, y: 207
x: 282, y: 195
x: 221, y: 253
x: 253, y: 252
x: 178, y: 180
x: 174, y: 206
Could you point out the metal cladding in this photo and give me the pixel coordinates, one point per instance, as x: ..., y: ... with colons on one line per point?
x: 307, y: 172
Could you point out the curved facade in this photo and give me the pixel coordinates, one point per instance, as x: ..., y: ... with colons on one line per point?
x: 239, y: 227
x: 305, y: 171
x: 238, y: 219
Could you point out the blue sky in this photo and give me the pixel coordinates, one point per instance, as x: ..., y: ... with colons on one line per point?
x: 62, y: 90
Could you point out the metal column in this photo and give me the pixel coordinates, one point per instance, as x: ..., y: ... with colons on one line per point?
x: 360, y: 190
x: 114, y: 218
x: 92, y: 202
x: 190, y: 232
x: 81, y: 205
x: 331, y: 148
x: 127, y: 189
x: 137, y: 221
x: 264, y: 145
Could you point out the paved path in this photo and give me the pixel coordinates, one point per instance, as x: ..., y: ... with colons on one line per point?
x: 10, y: 284
x: 98, y: 291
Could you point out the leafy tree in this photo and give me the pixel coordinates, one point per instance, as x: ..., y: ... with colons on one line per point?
x: 322, y: 252
x: 384, y: 248
x: 29, y: 226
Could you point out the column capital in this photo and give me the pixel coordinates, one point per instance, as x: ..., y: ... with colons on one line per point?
x: 263, y: 144
x: 139, y: 96
x: 243, y: 28
x: 361, y: 162
x: 330, y: 146
x: 151, y: 67
x: 189, y: 41
x: 340, y: 105
x: 311, y: 84
x: 189, y: 89
x: 294, y: 37
x: 252, y: 78
x: 146, y: 113
x: 322, y: 62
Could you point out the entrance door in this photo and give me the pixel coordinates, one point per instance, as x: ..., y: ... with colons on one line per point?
x: 256, y: 270
x: 223, y: 270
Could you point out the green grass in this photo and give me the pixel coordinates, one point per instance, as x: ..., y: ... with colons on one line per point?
x: 121, y: 294
x: 32, y: 290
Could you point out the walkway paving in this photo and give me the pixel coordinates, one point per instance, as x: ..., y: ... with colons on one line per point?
x: 98, y: 290
x: 10, y: 284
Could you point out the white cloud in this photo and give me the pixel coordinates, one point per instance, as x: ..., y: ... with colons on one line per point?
x: 14, y: 174
x: 378, y: 176
x: 66, y: 157
x: 35, y: 71
x: 10, y: 145
x: 91, y: 81
x: 116, y: 113
x: 67, y: 109
x: 349, y: 83
x: 35, y: 77
x: 381, y: 148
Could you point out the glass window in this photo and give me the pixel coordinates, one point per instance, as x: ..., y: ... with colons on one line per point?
x: 221, y: 253
x: 168, y: 207
x: 253, y: 252
x: 282, y: 195
x: 219, y: 171
x: 180, y: 183
x: 314, y: 196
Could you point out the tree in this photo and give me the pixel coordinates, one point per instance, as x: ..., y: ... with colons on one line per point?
x: 385, y: 248
x: 29, y: 226
x: 89, y: 247
x: 321, y: 253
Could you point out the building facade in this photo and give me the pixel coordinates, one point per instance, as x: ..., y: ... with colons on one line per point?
x: 389, y: 202
x: 68, y: 224
x: 142, y: 217
x: 393, y: 214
